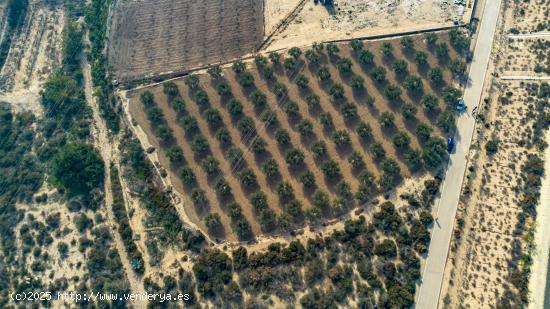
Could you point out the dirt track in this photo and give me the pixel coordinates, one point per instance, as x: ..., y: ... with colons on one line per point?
x: 152, y: 37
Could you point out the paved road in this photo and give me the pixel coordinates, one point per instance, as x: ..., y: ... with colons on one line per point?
x: 434, y: 268
x: 539, y: 271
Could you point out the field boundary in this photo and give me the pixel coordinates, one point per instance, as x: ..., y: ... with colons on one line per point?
x: 141, y: 83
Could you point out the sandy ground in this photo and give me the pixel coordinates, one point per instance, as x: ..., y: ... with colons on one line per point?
x: 57, y: 267
x: 539, y: 270
x: 32, y: 58
x: 355, y: 18
x: 275, y: 11
x: 478, y: 271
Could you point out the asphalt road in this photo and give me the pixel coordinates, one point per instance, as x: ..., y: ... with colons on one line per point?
x: 434, y: 268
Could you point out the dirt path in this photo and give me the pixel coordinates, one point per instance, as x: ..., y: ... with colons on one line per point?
x: 106, y: 147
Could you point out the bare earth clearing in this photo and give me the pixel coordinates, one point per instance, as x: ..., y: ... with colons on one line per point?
x: 353, y: 18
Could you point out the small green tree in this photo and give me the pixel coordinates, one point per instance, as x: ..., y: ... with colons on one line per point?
x: 285, y: 191
x: 302, y: 81
x: 305, y: 127
x: 319, y: 149
x: 192, y: 82
x: 248, y: 178
x: 401, y: 140
x: 198, y: 197
x: 414, y: 84
x: 223, y: 189
x: 271, y: 169
x: 421, y: 58
x: 408, y: 111
x: 442, y: 51
x: 423, y: 131
x: 323, y: 73
x: 337, y: 91
x: 210, y: 165
x: 235, y: 108
x: 446, y: 121
x: 491, y: 147
x: 344, y: 65
x: 259, y: 201
x: 294, y: 157
x: 407, y: 43
x: 341, y: 138
x: 295, y: 52
x: 356, y: 161
x: 170, y: 89
x: 364, y: 130
x: 387, y: 49
x: 175, y: 154
x: 291, y: 109
x: 392, y: 92
x: 366, y: 57
x: 213, y: 223
x: 234, y: 156
x: 239, y: 66
x: 190, y: 125
x: 187, y: 176
x: 308, y: 179
x: 274, y: 57
x: 431, y: 39
x: 326, y: 120
x: 213, y: 117
x: 147, y: 99
x: 332, y: 49
x: 377, y: 150
x: 268, y: 72
x: 413, y: 157
x: 215, y: 72
x: 349, y: 111
x: 258, y: 98
x: 378, y: 74
x: 434, y: 152
x: 282, y: 136
x: 387, y: 120
x: 436, y: 76
x: 321, y: 199
x: 312, y: 56
x: 430, y: 103
x: 400, y: 68
x: 356, y: 45
x: 357, y: 82
x: 260, y: 61
x: 223, y: 136
x: 331, y: 169
x: 199, y: 145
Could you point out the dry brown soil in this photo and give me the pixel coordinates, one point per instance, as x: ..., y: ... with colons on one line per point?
x: 148, y: 38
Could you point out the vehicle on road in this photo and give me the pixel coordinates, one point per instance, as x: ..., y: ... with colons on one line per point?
x: 460, y: 106
x: 450, y: 144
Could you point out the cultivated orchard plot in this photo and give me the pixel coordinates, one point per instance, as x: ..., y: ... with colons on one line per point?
x: 148, y: 38
x: 304, y: 136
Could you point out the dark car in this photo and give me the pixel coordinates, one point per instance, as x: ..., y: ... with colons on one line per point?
x: 450, y: 144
